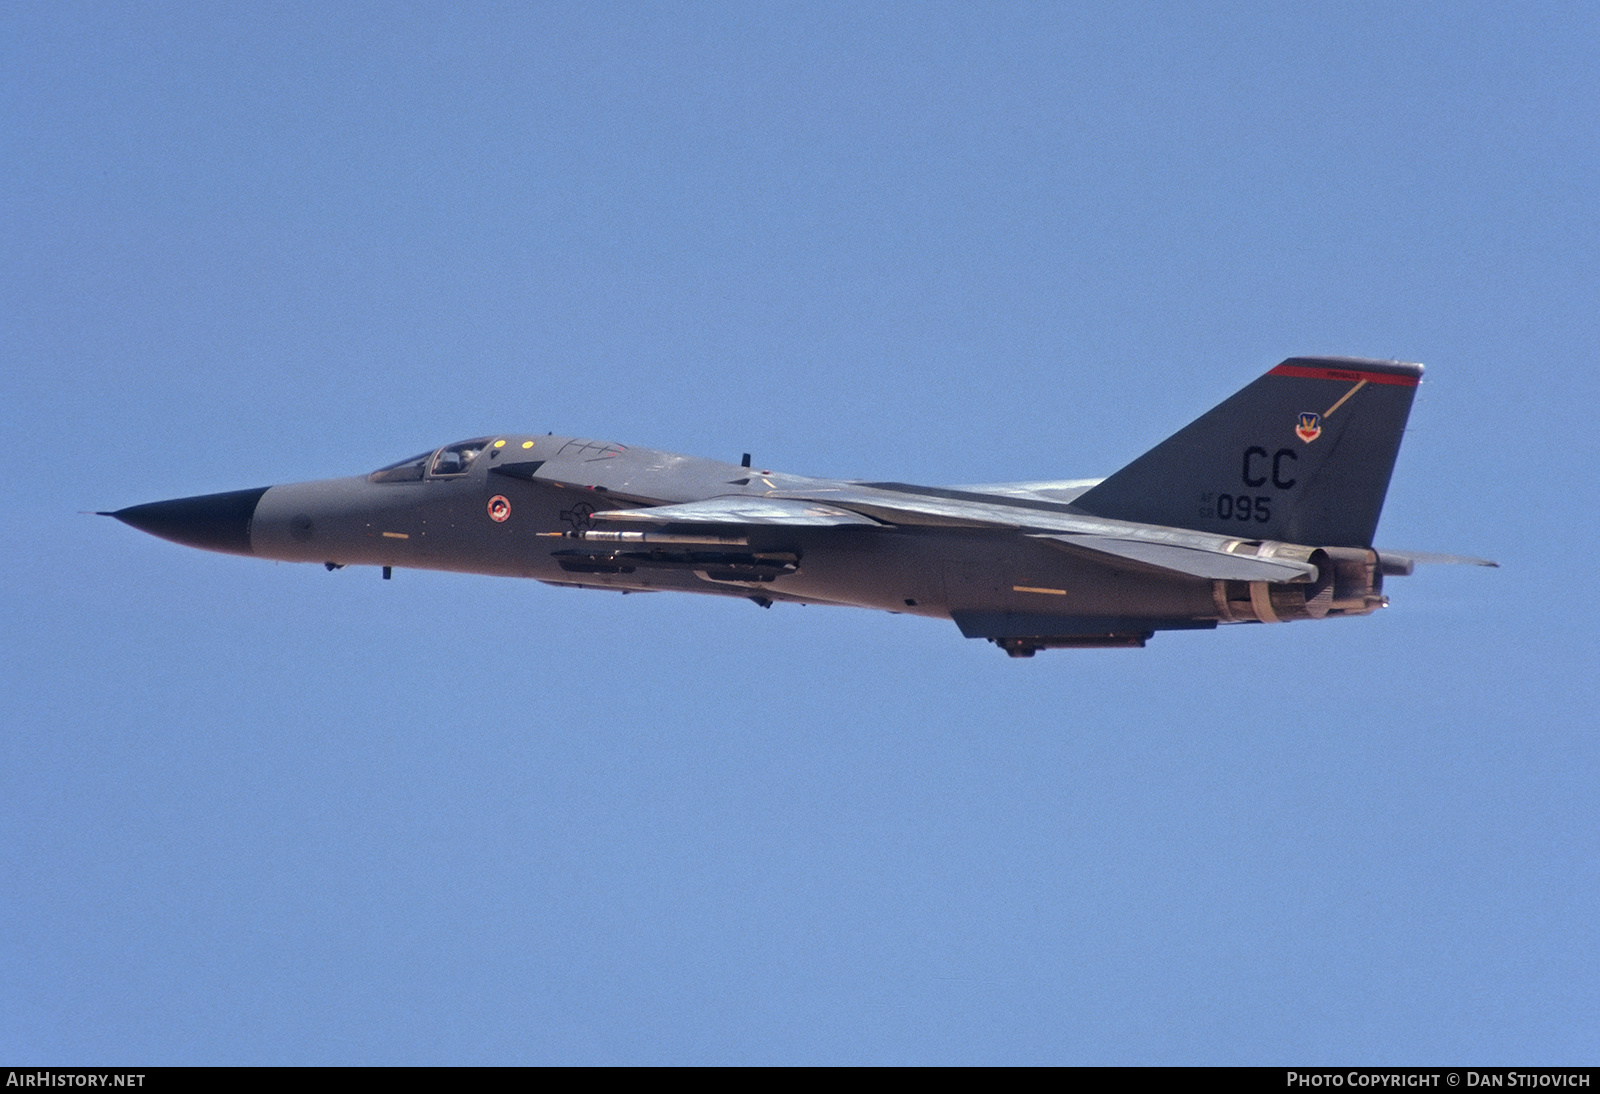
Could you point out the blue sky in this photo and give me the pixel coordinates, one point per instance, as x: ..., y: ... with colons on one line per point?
x: 259, y: 813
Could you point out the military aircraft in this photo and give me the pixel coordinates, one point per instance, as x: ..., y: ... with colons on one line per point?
x: 1260, y: 511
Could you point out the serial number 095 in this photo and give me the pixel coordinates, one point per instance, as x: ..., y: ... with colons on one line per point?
x: 1243, y: 507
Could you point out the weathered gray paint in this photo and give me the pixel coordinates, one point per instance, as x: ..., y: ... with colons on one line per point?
x: 1028, y: 565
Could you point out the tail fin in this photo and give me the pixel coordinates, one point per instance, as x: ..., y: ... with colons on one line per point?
x: 1302, y: 455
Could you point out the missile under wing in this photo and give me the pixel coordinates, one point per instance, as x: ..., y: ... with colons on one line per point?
x: 1263, y: 510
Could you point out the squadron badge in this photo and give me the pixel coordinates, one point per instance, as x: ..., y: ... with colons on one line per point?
x: 1309, y: 428
x: 499, y: 509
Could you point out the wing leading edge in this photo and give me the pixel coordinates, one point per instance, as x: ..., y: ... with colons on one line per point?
x: 743, y: 509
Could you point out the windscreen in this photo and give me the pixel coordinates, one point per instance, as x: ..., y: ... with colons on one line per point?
x: 407, y: 470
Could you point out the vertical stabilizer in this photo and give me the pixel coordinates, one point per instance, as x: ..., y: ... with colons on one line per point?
x: 1303, y: 455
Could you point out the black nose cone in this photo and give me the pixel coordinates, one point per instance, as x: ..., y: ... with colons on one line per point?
x: 214, y: 522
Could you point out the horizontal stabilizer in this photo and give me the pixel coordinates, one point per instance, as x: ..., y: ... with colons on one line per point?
x: 1196, y: 562
x: 742, y: 509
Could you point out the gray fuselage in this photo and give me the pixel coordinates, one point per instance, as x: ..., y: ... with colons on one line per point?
x: 547, y: 488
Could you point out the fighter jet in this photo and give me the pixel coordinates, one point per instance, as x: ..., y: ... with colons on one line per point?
x: 1260, y: 511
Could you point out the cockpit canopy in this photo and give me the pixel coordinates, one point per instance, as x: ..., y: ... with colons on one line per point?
x: 446, y: 462
x: 455, y: 459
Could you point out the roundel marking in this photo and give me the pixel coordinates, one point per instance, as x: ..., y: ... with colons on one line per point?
x: 499, y: 509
